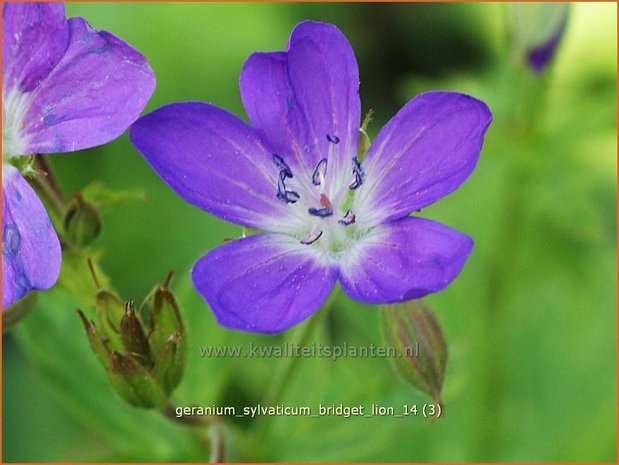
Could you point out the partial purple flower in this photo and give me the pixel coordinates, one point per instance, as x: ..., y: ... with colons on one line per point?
x: 65, y: 87
x: 294, y: 174
x: 537, y: 30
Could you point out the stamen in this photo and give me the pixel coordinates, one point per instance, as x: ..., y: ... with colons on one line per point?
x: 358, y: 174
x: 333, y: 138
x: 320, y: 212
x: 292, y: 196
x: 311, y: 237
x: 325, y: 202
x: 283, y: 194
x: 281, y: 187
x: 348, y: 219
x: 319, y: 173
x: 282, y: 166
x: 288, y: 196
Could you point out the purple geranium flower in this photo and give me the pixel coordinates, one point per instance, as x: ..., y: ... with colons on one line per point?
x: 294, y: 173
x: 65, y: 87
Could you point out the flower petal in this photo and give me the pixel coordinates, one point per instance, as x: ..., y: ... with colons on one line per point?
x: 305, y: 102
x: 265, y: 283
x: 92, y: 95
x: 425, y: 152
x: 34, y: 38
x: 30, y: 248
x: 404, y: 260
x: 214, y: 161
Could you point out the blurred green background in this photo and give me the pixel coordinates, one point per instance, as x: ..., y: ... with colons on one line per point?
x: 531, y: 321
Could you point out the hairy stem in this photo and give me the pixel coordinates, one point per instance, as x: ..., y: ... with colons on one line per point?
x: 46, y: 185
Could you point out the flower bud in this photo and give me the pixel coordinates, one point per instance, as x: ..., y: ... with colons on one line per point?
x: 170, y: 362
x: 536, y: 31
x: 165, y: 318
x: 167, y: 333
x: 82, y: 222
x: 133, y: 336
x: 143, y: 351
x: 134, y: 383
x: 421, y: 350
x: 96, y: 342
x: 110, y: 311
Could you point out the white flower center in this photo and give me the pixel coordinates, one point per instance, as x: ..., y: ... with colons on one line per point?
x: 320, y: 206
x: 14, y: 108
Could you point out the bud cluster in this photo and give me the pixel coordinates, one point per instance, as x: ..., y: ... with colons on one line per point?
x: 142, y: 350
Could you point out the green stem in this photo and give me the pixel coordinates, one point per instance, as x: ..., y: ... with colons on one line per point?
x: 169, y: 411
x: 46, y: 185
x: 500, y: 271
x: 213, y: 426
x: 287, y: 370
x: 291, y: 363
x: 42, y: 164
x: 520, y: 130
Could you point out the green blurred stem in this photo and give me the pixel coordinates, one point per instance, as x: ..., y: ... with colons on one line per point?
x: 520, y: 129
x: 212, y: 426
x: 169, y: 411
x: 288, y: 368
x: 494, y: 376
x: 290, y: 364
x: 41, y: 163
x: 48, y: 186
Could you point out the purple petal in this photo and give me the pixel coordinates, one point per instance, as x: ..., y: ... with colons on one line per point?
x: 34, y: 38
x: 425, y: 152
x: 265, y: 283
x: 404, y: 260
x: 214, y: 161
x: 30, y: 248
x: 305, y: 102
x: 92, y: 95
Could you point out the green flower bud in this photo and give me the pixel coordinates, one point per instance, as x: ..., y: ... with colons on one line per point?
x: 95, y: 340
x: 170, y: 361
x: 133, y: 336
x: 82, y: 222
x: 167, y: 334
x: 110, y: 311
x: 421, y: 355
x: 134, y: 383
x: 165, y: 318
x: 143, y: 351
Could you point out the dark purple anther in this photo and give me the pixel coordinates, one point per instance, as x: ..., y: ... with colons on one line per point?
x: 320, y: 212
x: 349, y: 218
x: 311, y: 238
x: 358, y: 174
x: 319, y: 172
x: 333, y: 138
x: 282, y: 166
x: 283, y: 194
